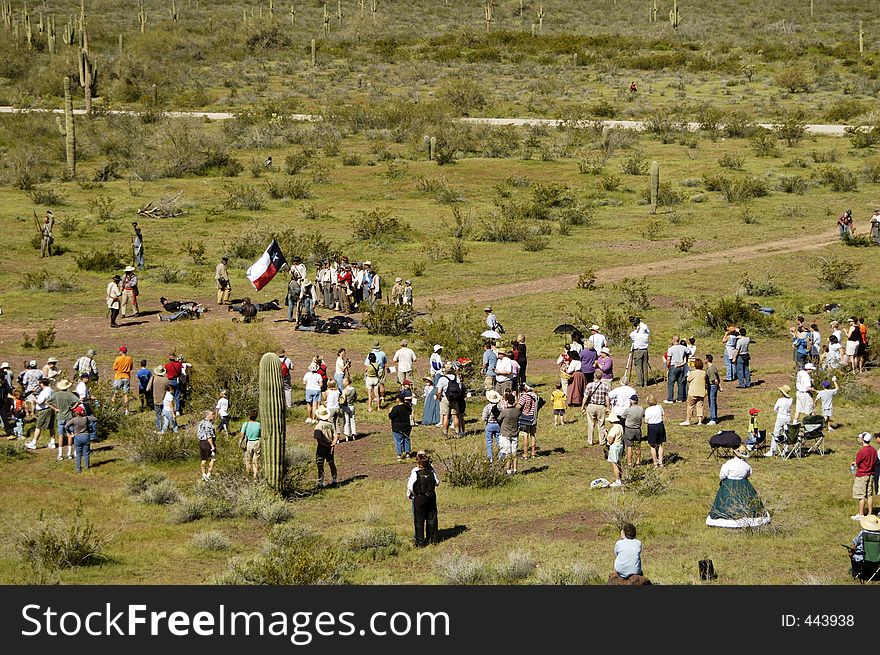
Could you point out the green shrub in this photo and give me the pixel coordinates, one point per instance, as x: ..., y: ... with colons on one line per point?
x: 763, y: 143
x: 730, y: 310
x: 472, y: 469
x: 212, y: 540
x: 647, y: 481
x: 824, y: 157
x: 143, y: 445
x: 871, y: 171
x: 100, y: 261
x: 731, y: 161
x: 793, y: 184
x: 351, y: 159
x: 685, y: 244
x: 463, y: 95
x: 458, y: 251
x: 552, y: 195
x: 634, y: 164
x: 860, y: 241
x: 46, y: 196
x: 835, y: 273
x: 460, y: 569
x: 454, y: 330
x: 306, y: 561
x: 161, y: 493
x: 667, y: 196
x: 10, y: 452
x: 838, y: 178
x: 43, y: 339
x: 168, y: 275
x: 634, y: 293
x: 752, y: 288
x: 575, y: 574
x: 609, y: 182
x: 793, y: 79
x: 592, y: 165
x: 196, y: 251
x: 232, y: 168
x: 791, y: 127
x: 389, y: 320
x: 743, y: 189
x: 518, y: 566
x: 376, y: 543
x: 140, y: 482
x: 535, y: 243
x: 861, y: 137
x: 295, y: 189
x: 262, y: 503
x: 102, y: 208
x: 46, y: 281
x: 243, y: 196
x: 62, y: 544
x: 379, y: 226
x: 587, y: 280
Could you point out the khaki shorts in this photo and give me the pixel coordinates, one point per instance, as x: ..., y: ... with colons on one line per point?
x: 254, y: 449
x: 863, y: 487
x: 45, y: 419
x: 446, y: 410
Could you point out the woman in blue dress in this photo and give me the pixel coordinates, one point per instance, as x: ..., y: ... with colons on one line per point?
x: 431, y: 411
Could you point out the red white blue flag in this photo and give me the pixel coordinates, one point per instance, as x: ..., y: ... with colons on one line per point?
x: 265, y: 268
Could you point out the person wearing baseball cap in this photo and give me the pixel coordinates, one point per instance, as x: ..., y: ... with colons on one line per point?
x: 825, y: 396
x: 122, y: 367
x: 804, y: 385
x: 864, y: 483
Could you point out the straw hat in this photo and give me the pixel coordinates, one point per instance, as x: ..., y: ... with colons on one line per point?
x: 129, y: 269
x: 52, y: 360
x: 785, y: 390
x: 594, y: 328
x: 437, y: 348
x: 742, y: 452
x: 870, y: 522
x: 606, y: 350
x: 493, y: 396
x: 5, y: 365
x: 809, y: 366
x: 612, y: 418
x: 63, y: 385
x: 487, y: 308
x: 159, y: 370
x: 323, y: 413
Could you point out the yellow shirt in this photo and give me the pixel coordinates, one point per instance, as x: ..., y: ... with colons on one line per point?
x: 558, y: 399
x: 122, y: 366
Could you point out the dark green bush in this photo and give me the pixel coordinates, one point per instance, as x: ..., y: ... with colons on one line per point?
x: 308, y: 560
x: 62, y: 544
x: 101, y: 261
x: 389, y: 320
x: 472, y: 469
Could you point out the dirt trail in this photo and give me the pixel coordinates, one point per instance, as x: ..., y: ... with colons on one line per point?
x: 617, y: 273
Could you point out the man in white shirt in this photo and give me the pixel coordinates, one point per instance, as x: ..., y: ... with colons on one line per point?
x: 503, y: 372
x: 298, y: 269
x: 804, y: 385
x: 45, y: 416
x: 619, y: 398
x: 598, y: 339
x: 676, y: 361
x: 640, y: 337
x: 404, y: 357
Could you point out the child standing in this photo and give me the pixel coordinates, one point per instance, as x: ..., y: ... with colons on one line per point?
x: 826, y: 398
x: 19, y: 412
x: 656, y: 430
x: 222, y: 408
x: 491, y: 412
x: 615, y: 446
x: 783, y: 418
x: 144, y: 375
x: 558, y: 399
x: 347, y: 402
x: 326, y: 445
x: 332, y: 403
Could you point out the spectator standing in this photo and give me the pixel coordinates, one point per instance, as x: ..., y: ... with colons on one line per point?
x: 421, y: 489
x: 326, y: 446
x: 558, y: 400
x: 168, y: 418
x: 331, y: 402
x: 159, y: 386
x: 875, y: 227
x: 714, y: 387
x: 698, y: 388
x: 845, y: 225
x: 401, y: 426
x: 528, y: 421
x: 598, y: 339
x: 826, y: 401
x: 490, y: 358
x: 815, y: 343
x: 729, y: 341
x: 45, y: 416
x: 174, y: 373
x: 742, y: 360
x: 804, y: 386
x: 371, y: 381
x: 654, y: 416
x: 588, y: 357
x: 640, y: 337
x: 80, y: 427
x: 286, y: 380
x: 800, y: 342
x: 250, y: 434
x: 114, y: 293
x: 129, y: 292
x: 144, y: 375
x: 676, y: 364
x: 122, y: 366
x: 86, y: 365
x: 207, y: 445
x: 491, y: 412
x: 312, y: 382
x: 405, y: 357
x: 224, y: 286
x: 62, y: 401
x: 594, y: 407
x: 863, y: 485
x: 633, y: 416
x: 605, y: 364
x: 222, y: 408
x: 436, y: 363
x: 614, y: 437
x: 343, y: 368
x: 450, y: 394
x: 503, y: 373
x: 508, y: 420
x: 431, y: 407
x: 492, y: 321
x: 521, y: 358
x: 347, y: 402
x: 137, y: 246
x: 50, y: 370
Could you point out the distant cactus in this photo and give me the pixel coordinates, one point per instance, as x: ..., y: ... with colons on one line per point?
x: 175, y: 15
x: 51, y: 38
x: 861, y: 40
x: 88, y: 78
x: 326, y: 18
x: 314, y: 52
x: 655, y: 185
x: 374, y: 9
x: 674, y: 15
x: 272, y: 419
x: 490, y: 5
x: 142, y: 17
x: 68, y: 131
x: 540, y: 16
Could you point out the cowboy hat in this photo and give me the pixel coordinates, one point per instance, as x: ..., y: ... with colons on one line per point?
x: 128, y: 269
x: 870, y: 522
x: 63, y: 385
x: 487, y: 308
x: 398, y: 279
x: 52, y: 360
x: 594, y: 328
x: 368, y: 263
x: 612, y: 418
x: 785, y: 390
x: 493, y: 396
x: 809, y: 366
x: 5, y: 365
x: 159, y: 370
x: 742, y: 452
x: 437, y: 348
x: 323, y: 413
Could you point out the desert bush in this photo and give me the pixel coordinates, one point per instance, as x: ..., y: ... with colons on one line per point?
x: 11, y: 452
x: 845, y: 109
x: 763, y: 143
x: 634, y: 164
x: 458, y: 251
x: 575, y: 574
x: 211, y: 540
x: 46, y: 196
x: 256, y: 501
x: 791, y: 127
x: 685, y: 244
x: 517, y: 566
x: 295, y: 189
x: 168, y: 275
x: 592, y: 165
x: 535, y: 243
x: 634, y: 293
x: 793, y: 79
x: 100, y: 261
x: 449, y: 196
x: 143, y: 445
x: 824, y: 156
x: 731, y: 161
x: 453, y: 331
x: 793, y: 184
x: 431, y: 185
x: 743, y: 189
x: 306, y: 561
x: 376, y: 543
x: 459, y: 569
x: 102, y: 208
x: 622, y: 509
x: 62, y: 543
x: 463, y: 95
x: 46, y: 281
x: 750, y: 287
x: 730, y: 310
x: 140, y: 482
x: 667, y: 196
x: 835, y: 273
x: 861, y: 137
x: 838, y: 178
x: 462, y: 224
x: 196, y: 251
x: 43, y: 339
x: 587, y: 280
x: 747, y: 216
x: 614, y: 321
x: 68, y: 226
x: 552, y: 195
x: 738, y: 125
x: 243, y: 196
x: 871, y: 171
x: 647, y: 481
x: 351, y: 159
x: 472, y: 469
x: 379, y: 226
x: 195, y: 508
x: 860, y: 241
x: 294, y: 163
x: 283, y: 535
x: 232, y: 168
x: 609, y: 182
x: 161, y: 493
x: 389, y: 320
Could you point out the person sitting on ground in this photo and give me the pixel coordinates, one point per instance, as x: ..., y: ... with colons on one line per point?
x: 628, y: 553
x: 870, y: 526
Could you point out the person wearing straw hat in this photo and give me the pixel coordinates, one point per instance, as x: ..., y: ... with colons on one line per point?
x: 737, y: 504
x: 863, y: 484
x: 326, y: 445
x: 421, y: 489
x: 397, y: 291
x: 224, y: 286
x: 45, y: 416
x: 491, y: 412
x: 614, y: 437
x: 159, y: 385
x: 598, y: 339
x: 405, y: 357
x: 869, y: 525
x: 129, y: 292
x: 50, y: 370
x: 875, y: 227
x: 63, y: 400
x: 783, y: 418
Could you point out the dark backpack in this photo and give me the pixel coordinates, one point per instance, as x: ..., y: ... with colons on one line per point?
x: 453, y: 391
x: 425, y: 483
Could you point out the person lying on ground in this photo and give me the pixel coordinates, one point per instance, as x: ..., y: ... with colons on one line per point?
x: 271, y: 306
x: 181, y: 309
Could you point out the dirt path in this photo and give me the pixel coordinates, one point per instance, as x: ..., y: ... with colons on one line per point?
x: 617, y: 273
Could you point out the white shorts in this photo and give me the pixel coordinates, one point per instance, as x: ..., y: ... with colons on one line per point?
x: 507, y: 446
x: 851, y: 347
x: 804, y: 403
x: 371, y: 383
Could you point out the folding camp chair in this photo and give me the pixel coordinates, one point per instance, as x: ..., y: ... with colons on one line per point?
x: 723, y: 443
x: 758, y: 444
x: 813, y: 431
x: 871, y: 564
x: 793, y: 441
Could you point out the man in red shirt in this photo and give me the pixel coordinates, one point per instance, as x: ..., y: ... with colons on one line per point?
x: 863, y: 486
x: 173, y: 370
x: 344, y: 277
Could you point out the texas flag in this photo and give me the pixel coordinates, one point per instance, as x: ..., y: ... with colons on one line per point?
x: 265, y: 268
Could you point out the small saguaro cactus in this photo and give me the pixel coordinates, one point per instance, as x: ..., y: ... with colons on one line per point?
x: 68, y: 131
x: 88, y: 78
x: 674, y: 15
x: 273, y: 419
x: 374, y: 9
x: 540, y: 15
x: 339, y: 13
x: 655, y: 185
x: 142, y: 17
x: 51, y: 38
x: 314, y: 52
x: 175, y: 15
x: 490, y: 4
x: 326, y: 18
x: 861, y: 40
x: 432, y: 148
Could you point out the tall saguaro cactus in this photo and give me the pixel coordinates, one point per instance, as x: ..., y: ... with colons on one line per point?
x: 655, y: 185
x: 88, y: 77
x: 68, y: 131
x: 674, y: 15
x: 272, y: 419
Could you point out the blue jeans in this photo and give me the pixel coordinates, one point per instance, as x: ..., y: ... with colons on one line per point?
x: 158, y: 408
x: 493, y: 431
x: 401, y: 443
x: 291, y: 309
x: 729, y: 367
x: 139, y: 256
x: 676, y: 374
x: 713, y: 402
x: 168, y: 421
x: 743, y: 372
x: 173, y: 317
x: 82, y: 444
x: 338, y: 377
x: 175, y: 389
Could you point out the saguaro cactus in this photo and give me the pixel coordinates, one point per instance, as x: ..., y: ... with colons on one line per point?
x: 272, y: 419
x: 68, y: 131
x: 861, y: 40
x: 314, y: 52
x: 674, y: 15
x: 88, y: 77
x: 142, y: 17
x: 540, y: 16
x: 51, y: 38
x: 655, y: 185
